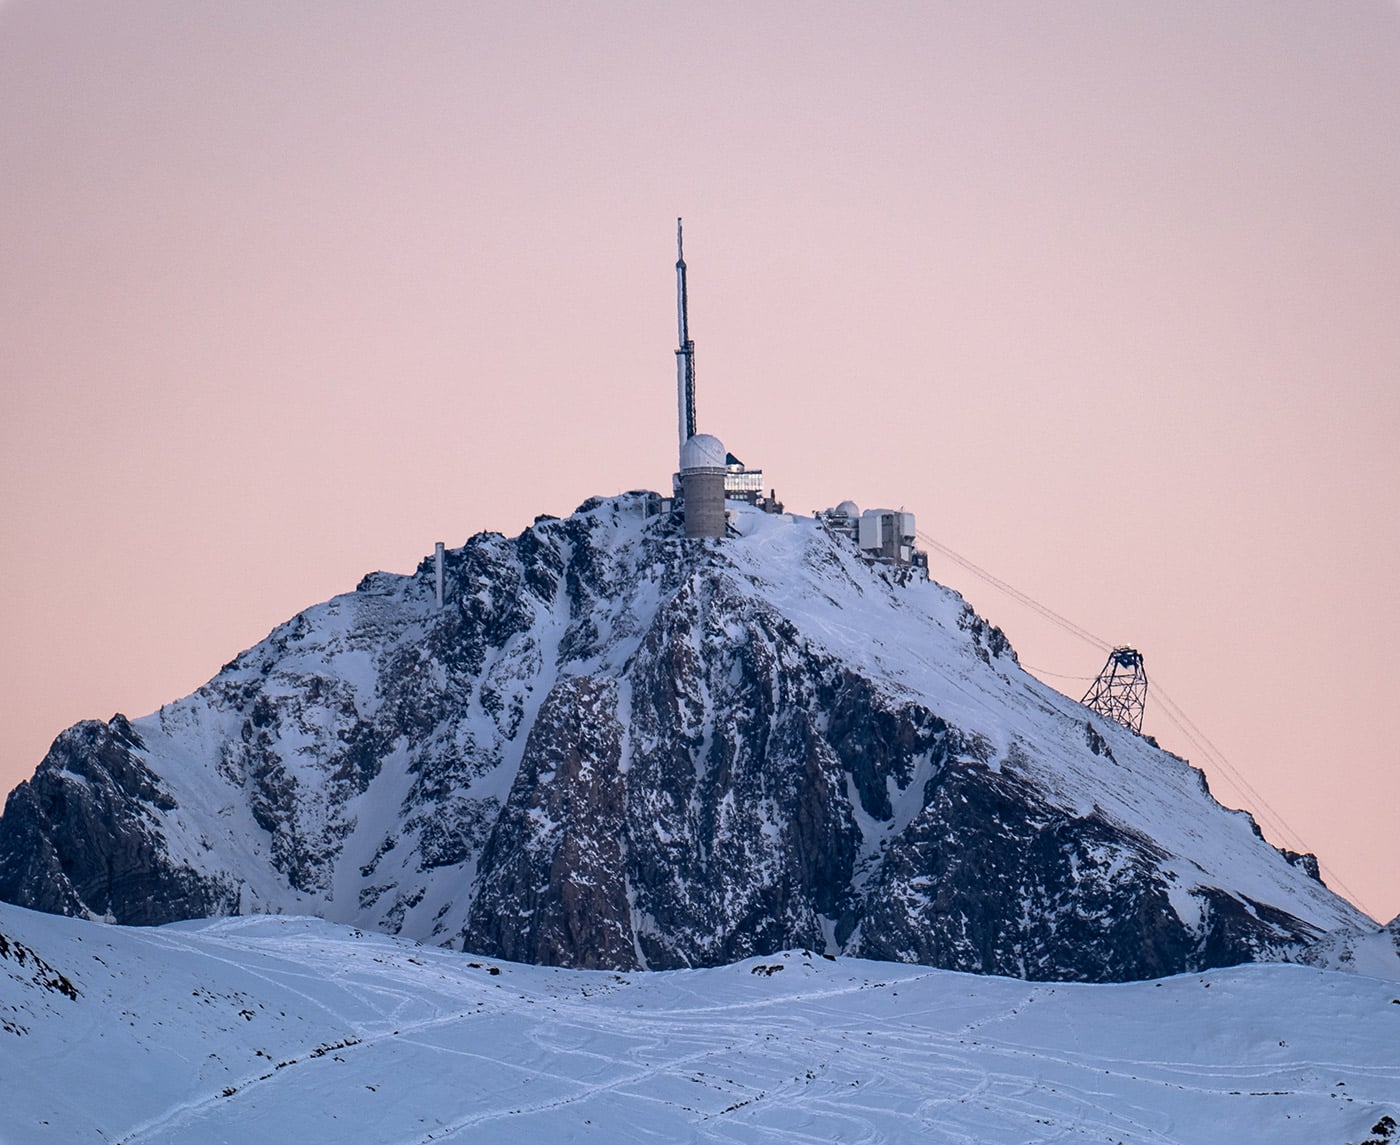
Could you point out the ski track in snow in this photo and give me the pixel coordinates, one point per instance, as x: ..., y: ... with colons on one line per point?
x: 298, y: 1030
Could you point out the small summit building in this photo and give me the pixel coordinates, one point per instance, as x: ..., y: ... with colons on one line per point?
x: 702, y: 479
x: 887, y: 536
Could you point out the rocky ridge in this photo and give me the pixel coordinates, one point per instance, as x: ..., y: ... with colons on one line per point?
x: 616, y: 748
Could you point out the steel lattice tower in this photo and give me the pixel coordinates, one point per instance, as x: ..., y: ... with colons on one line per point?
x: 1120, y: 692
x: 685, y: 354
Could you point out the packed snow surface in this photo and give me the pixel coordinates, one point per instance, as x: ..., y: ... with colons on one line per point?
x: 276, y: 1029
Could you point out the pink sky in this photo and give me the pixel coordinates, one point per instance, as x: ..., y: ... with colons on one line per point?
x: 1108, y: 294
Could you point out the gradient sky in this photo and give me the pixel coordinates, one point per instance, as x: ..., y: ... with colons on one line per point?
x: 1107, y: 293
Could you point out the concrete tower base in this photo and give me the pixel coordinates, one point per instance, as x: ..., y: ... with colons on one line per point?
x: 704, y: 502
x: 702, y: 485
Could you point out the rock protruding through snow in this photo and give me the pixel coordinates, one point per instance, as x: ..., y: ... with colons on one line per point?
x: 613, y: 747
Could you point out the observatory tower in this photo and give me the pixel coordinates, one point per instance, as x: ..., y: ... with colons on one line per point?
x: 702, y: 456
x: 702, y: 485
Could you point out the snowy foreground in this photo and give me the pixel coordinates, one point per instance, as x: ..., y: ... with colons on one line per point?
x: 296, y: 1030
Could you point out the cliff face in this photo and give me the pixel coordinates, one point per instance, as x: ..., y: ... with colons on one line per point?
x: 83, y: 837
x: 616, y: 748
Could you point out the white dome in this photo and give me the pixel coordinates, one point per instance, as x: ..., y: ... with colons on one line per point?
x: 848, y: 509
x: 703, y: 451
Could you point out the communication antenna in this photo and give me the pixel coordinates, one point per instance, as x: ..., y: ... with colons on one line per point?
x: 685, y: 355
x: 1120, y: 692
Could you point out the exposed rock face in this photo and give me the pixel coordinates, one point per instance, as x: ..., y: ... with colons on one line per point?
x: 91, y: 844
x: 617, y: 748
x: 553, y: 883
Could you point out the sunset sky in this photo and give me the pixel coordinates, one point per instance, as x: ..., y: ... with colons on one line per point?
x: 1107, y: 293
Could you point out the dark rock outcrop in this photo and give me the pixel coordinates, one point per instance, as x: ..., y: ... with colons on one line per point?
x: 553, y: 887
x: 82, y: 837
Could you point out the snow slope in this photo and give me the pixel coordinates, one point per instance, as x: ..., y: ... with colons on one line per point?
x: 297, y: 1030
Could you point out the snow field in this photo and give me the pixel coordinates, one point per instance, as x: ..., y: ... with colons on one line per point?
x: 296, y: 1030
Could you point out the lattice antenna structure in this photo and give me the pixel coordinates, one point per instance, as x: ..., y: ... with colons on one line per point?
x: 685, y: 353
x: 1120, y: 692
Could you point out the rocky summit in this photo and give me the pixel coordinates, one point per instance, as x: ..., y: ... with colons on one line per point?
x: 613, y: 747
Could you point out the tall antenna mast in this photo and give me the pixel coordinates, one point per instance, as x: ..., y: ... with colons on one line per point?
x: 685, y: 354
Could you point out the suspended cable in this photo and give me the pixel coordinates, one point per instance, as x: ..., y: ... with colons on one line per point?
x: 1055, y: 675
x: 1170, y: 709
x: 1025, y: 598
x: 1178, y: 716
x: 1261, y: 808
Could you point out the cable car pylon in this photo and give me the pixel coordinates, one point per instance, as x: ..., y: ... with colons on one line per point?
x: 1120, y: 691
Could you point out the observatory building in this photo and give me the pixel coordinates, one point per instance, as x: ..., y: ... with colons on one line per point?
x: 887, y: 536
x: 699, y: 484
x: 702, y: 476
x: 708, y: 474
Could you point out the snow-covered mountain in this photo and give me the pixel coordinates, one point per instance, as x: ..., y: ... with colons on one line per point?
x: 295, y: 1030
x: 613, y: 747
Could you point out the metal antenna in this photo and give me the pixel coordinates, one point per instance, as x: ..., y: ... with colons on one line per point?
x: 685, y: 355
x: 1120, y: 692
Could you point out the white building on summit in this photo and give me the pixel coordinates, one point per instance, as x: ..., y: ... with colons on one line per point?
x: 884, y: 535
x: 702, y: 475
